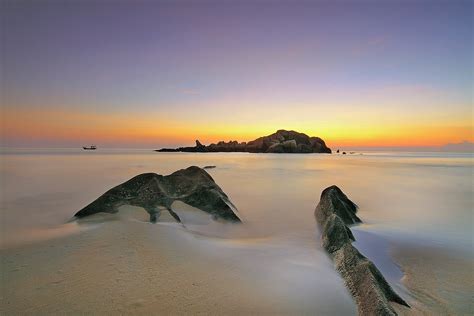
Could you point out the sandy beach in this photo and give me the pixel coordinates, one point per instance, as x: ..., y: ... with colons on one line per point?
x: 127, y: 266
x: 121, y: 264
x: 272, y: 263
x: 275, y: 157
x: 440, y: 282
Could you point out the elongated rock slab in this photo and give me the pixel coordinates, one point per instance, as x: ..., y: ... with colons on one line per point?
x: 153, y: 192
x: 370, y: 290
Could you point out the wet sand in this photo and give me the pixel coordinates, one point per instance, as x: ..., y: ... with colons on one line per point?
x: 122, y: 264
x: 440, y: 282
x: 127, y: 266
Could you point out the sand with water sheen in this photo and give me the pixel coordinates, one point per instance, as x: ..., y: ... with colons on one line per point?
x: 122, y: 264
x: 416, y: 208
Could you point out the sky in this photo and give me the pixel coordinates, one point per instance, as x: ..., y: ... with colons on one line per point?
x: 164, y: 73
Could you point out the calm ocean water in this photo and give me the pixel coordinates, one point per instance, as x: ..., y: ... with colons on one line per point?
x: 405, y: 200
x: 420, y: 197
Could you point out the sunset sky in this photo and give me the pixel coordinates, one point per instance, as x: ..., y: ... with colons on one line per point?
x: 163, y: 73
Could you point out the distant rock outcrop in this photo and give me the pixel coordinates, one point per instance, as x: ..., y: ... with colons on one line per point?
x: 282, y: 141
x: 193, y: 186
x: 367, y: 285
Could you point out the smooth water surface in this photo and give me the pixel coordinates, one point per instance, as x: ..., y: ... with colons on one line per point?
x: 422, y: 196
x: 422, y: 199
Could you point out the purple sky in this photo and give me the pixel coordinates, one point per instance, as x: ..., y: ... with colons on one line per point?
x: 256, y: 66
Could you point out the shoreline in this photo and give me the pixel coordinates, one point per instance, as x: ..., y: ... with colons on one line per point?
x: 283, y: 254
x: 439, y: 281
x: 130, y: 266
x: 142, y: 268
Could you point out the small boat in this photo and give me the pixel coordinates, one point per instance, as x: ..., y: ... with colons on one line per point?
x: 92, y: 147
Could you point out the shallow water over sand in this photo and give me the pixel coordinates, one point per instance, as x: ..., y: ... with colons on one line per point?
x: 423, y: 199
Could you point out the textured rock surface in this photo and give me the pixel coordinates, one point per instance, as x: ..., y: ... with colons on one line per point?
x: 280, y: 142
x: 367, y: 285
x: 337, y: 203
x: 154, y: 192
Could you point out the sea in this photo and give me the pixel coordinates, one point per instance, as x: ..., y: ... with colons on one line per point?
x: 424, y: 199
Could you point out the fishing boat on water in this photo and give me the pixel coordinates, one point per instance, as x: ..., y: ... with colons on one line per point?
x: 91, y: 147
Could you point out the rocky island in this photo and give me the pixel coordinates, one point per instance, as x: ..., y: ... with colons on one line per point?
x: 154, y: 192
x: 282, y: 141
x: 367, y: 285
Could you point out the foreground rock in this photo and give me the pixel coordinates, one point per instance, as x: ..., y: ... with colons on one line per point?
x: 280, y: 142
x: 155, y: 192
x: 367, y: 285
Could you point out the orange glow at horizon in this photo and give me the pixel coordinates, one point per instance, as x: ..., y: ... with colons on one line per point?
x: 67, y: 126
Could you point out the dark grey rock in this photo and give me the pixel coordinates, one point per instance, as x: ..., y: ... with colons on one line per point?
x: 336, y: 234
x: 336, y: 202
x: 282, y: 141
x: 367, y: 285
x: 193, y: 186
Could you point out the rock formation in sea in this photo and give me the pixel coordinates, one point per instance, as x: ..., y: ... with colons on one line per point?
x: 154, y: 192
x: 282, y: 141
x: 367, y: 285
